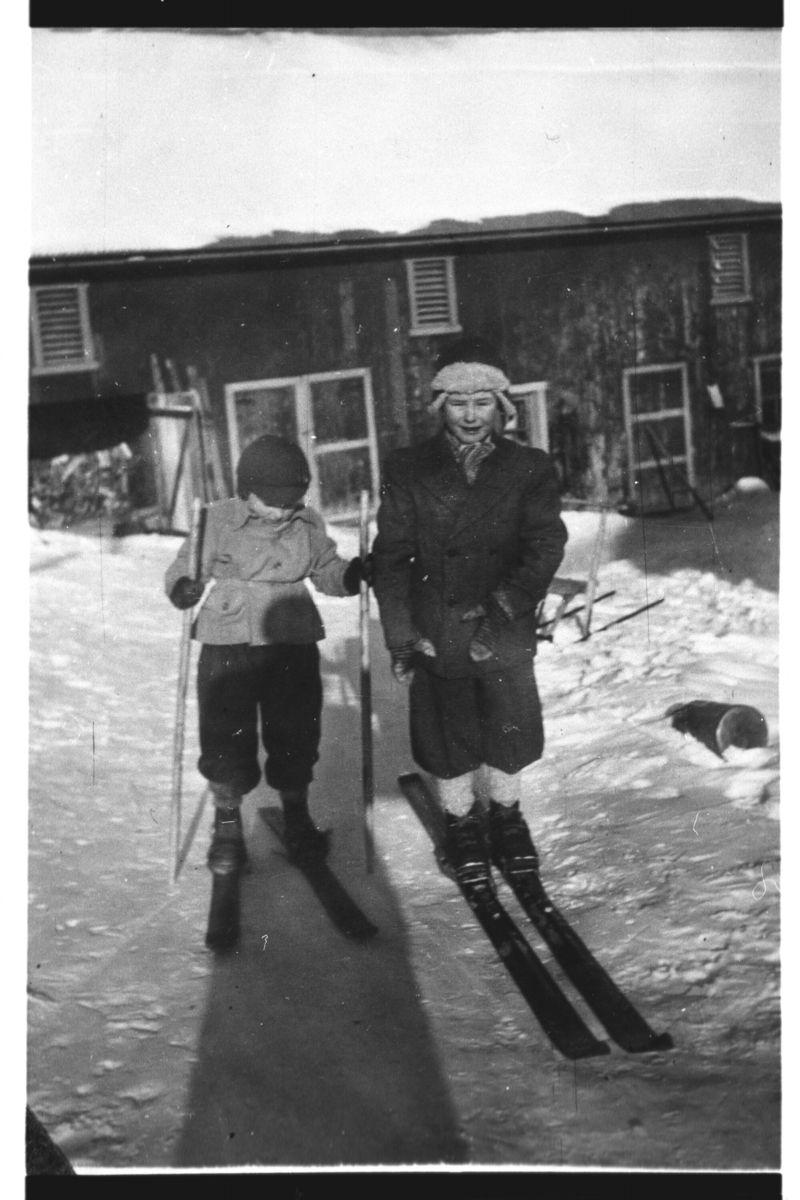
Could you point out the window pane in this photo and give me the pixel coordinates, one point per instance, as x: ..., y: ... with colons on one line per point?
x: 266, y: 410
x: 667, y: 438
x: 339, y: 411
x: 342, y: 476
x: 655, y: 391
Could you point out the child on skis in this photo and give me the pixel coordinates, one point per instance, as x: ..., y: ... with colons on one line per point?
x: 259, y: 629
x: 469, y: 538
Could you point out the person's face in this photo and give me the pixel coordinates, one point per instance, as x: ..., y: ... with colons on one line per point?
x: 470, y: 418
x: 268, y: 511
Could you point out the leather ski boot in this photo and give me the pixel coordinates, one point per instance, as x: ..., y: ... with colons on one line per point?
x: 466, y: 849
x: 511, y: 846
x: 304, y: 842
x: 227, y: 852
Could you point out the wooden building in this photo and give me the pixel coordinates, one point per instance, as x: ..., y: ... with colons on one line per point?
x: 644, y: 352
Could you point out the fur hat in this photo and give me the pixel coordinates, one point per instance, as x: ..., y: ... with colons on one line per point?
x: 275, y: 469
x: 469, y: 366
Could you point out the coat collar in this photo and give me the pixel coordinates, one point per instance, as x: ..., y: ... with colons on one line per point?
x: 439, y: 472
x: 242, y: 513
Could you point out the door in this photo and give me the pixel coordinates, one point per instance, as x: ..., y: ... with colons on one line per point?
x: 659, y: 431
x: 330, y: 415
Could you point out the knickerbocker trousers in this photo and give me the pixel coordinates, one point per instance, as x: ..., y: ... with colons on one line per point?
x: 278, y: 685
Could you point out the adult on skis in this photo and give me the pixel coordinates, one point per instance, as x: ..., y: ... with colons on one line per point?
x: 469, y: 538
x: 259, y: 629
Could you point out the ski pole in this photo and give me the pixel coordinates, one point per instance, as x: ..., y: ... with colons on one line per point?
x: 180, y: 708
x: 367, y: 772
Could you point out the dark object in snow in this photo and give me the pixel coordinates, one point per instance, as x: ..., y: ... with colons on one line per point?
x: 338, y: 904
x: 720, y: 725
x: 222, y: 932
x: 624, y: 1024
x: 82, y: 426
x: 562, y: 1024
x: 42, y: 1155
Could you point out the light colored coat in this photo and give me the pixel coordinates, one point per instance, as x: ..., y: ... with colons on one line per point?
x: 259, y: 570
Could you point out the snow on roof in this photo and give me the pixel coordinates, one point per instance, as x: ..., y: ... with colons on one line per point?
x: 665, y: 212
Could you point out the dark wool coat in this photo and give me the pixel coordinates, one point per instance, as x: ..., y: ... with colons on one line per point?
x: 444, y: 546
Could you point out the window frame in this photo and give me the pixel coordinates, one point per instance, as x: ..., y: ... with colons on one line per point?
x: 89, y: 361
x: 533, y: 397
x: 758, y: 360
x: 452, y: 325
x: 306, y: 438
x: 633, y: 419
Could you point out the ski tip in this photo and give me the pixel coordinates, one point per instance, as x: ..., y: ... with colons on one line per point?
x: 222, y: 945
x: 661, y: 1041
x: 649, y: 1044
x: 582, y: 1048
x: 595, y: 1050
x: 361, y: 932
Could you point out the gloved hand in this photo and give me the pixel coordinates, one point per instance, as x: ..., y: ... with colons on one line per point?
x: 356, y: 570
x: 186, y: 592
x: 482, y: 647
x: 491, y: 616
x: 403, y: 657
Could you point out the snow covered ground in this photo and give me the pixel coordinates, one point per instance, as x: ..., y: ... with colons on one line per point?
x: 306, y: 1049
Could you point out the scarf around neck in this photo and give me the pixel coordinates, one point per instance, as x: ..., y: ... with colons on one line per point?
x: 469, y: 456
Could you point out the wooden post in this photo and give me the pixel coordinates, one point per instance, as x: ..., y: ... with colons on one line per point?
x: 213, y: 464
x: 170, y: 456
x: 396, y: 371
x: 367, y: 768
x: 173, y: 500
x: 594, y: 567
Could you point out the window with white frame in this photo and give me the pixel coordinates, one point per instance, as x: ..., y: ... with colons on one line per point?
x: 529, y: 426
x: 61, y: 334
x: 432, y: 296
x: 730, y: 268
x: 767, y: 377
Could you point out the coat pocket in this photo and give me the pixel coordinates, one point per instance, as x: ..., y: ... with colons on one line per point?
x: 226, y: 601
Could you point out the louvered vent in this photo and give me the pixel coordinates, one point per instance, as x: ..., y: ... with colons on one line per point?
x: 730, y: 272
x: 432, y: 292
x: 62, y: 339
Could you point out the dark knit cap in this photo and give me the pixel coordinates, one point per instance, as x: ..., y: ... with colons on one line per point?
x: 275, y: 469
